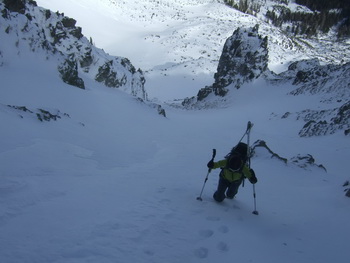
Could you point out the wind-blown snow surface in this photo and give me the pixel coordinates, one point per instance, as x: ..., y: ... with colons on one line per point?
x: 114, y: 182
x: 111, y: 181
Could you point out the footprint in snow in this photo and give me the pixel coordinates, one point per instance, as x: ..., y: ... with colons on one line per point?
x: 236, y: 207
x: 206, y: 233
x: 201, y: 252
x: 222, y: 246
x: 149, y: 252
x: 213, y: 218
x: 161, y: 190
x: 223, y: 229
x: 165, y: 201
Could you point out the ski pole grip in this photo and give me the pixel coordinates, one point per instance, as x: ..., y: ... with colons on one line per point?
x: 249, y: 125
x: 214, y: 154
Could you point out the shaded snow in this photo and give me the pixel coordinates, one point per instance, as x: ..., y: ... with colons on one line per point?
x: 123, y: 186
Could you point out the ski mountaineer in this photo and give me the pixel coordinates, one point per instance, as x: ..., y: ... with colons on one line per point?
x: 233, y: 172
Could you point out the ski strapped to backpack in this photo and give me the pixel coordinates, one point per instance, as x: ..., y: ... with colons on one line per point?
x: 242, y: 148
x: 240, y: 151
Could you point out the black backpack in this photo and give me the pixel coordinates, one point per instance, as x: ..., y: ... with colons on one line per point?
x: 239, y: 151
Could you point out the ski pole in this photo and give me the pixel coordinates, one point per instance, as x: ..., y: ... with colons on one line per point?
x: 249, y: 126
x: 206, y: 178
x: 255, y: 212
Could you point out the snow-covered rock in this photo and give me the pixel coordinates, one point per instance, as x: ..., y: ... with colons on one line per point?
x: 330, y: 84
x: 244, y: 58
x: 55, y: 35
x: 261, y: 149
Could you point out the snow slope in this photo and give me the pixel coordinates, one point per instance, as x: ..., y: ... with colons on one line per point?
x: 111, y: 181
x: 103, y: 186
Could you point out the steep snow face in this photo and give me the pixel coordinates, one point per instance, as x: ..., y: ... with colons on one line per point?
x: 55, y: 36
x: 110, y: 181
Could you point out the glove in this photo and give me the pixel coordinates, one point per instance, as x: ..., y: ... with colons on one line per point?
x: 210, y: 165
x: 252, y: 172
x: 253, y: 178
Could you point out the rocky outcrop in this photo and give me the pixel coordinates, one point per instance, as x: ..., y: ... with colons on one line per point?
x: 244, y: 58
x: 58, y: 36
x: 323, y: 122
x: 18, y: 6
x: 69, y: 73
x: 108, y: 77
x: 40, y: 114
x: 307, y: 162
x: 329, y: 83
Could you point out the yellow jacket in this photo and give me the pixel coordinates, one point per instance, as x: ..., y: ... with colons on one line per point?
x: 230, y: 175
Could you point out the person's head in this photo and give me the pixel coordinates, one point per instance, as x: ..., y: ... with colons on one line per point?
x: 235, y: 163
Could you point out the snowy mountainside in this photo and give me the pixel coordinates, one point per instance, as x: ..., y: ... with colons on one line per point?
x: 330, y: 83
x: 186, y: 38
x: 55, y: 37
x: 95, y: 176
x: 327, y: 84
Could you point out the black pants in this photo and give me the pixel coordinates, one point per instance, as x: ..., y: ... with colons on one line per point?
x: 231, y: 189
